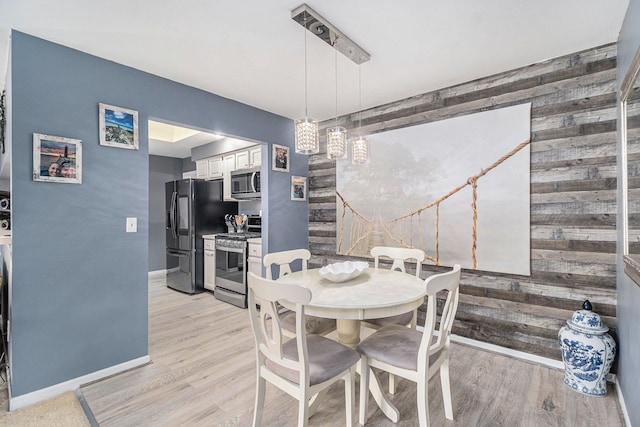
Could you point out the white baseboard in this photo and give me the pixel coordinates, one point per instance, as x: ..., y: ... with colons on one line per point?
x: 552, y: 363
x: 57, y: 389
x: 157, y: 273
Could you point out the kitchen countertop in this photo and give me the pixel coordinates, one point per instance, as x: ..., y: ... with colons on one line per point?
x: 257, y: 240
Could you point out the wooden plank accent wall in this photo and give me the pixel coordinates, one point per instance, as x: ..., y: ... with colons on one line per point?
x: 573, y: 197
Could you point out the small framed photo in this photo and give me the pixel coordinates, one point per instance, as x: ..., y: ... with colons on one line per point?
x: 299, y: 188
x: 280, y: 157
x: 57, y: 159
x: 118, y: 127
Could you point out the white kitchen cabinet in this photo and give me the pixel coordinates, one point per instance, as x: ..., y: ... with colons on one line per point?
x: 209, y: 264
x: 201, y: 169
x: 215, y: 166
x: 229, y: 165
x: 229, y: 162
x: 242, y: 159
x: 255, y: 156
x: 255, y: 256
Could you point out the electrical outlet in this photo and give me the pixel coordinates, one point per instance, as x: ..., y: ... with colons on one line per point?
x: 132, y: 225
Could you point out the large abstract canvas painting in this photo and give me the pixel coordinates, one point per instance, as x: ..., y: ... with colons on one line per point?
x: 456, y: 188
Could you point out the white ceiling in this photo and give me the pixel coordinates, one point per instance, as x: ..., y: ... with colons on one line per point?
x: 174, y: 141
x: 253, y: 52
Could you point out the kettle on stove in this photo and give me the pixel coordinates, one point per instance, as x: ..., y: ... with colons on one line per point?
x: 231, y: 223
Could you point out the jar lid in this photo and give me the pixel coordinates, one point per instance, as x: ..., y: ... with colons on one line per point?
x: 587, y: 321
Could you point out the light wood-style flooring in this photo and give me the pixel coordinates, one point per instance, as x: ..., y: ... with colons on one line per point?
x: 202, y: 374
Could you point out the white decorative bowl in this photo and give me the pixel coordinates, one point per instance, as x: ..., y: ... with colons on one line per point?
x: 343, y: 271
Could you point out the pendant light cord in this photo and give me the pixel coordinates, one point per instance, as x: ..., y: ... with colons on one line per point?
x: 359, y: 103
x: 336, y: 71
x: 305, y: 66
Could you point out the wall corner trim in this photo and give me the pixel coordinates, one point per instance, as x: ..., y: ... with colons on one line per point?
x: 621, y: 402
x: 73, y: 384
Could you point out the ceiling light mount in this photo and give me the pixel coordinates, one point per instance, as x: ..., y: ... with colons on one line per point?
x: 317, y: 25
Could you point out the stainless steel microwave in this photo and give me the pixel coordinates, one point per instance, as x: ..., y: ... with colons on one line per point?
x: 245, y: 183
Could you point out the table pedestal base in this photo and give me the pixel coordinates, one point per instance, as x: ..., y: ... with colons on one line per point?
x: 377, y: 393
x: 385, y: 404
x: 349, y: 335
x: 348, y: 332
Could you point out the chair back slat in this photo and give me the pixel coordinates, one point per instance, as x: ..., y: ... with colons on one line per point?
x: 399, y: 256
x: 449, y: 282
x: 283, y: 260
x: 446, y: 318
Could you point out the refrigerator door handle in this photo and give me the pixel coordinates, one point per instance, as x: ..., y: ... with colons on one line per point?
x: 170, y: 213
x: 173, y: 215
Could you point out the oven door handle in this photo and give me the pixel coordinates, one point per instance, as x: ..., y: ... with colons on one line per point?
x: 227, y: 249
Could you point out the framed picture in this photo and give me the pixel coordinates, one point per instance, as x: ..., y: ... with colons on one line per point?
x: 57, y: 159
x: 118, y: 127
x: 280, y: 157
x: 299, y: 188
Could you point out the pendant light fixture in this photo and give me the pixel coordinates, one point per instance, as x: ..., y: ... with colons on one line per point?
x: 337, y: 135
x: 359, y: 145
x: 306, y: 129
x: 306, y: 136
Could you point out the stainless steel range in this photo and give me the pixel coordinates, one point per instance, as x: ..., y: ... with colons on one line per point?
x: 231, y: 271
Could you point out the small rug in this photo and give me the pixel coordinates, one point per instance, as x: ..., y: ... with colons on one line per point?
x: 64, y: 410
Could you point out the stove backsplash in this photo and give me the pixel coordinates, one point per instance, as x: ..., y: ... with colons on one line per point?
x: 250, y: 207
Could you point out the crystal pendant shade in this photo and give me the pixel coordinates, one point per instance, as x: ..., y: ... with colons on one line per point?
x: 307, y: 140
x: 359, y: 151
x: 336, y: 143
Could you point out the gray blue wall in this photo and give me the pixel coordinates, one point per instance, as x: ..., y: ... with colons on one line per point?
x: 79, y: 281
x: 188, y: 164
x: 628, y: 311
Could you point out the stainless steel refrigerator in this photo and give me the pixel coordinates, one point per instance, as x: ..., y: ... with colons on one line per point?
x: 194, y: 207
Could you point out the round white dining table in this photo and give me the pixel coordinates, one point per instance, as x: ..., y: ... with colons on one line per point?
x: 373, y: 294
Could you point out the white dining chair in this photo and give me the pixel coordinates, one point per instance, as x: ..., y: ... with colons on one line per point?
x: 399, y: 257
x: 412, y: 354
x: 302, y: 366
x: 282, y: 261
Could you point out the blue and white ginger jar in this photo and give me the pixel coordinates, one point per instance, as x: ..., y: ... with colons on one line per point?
x: 587, y: 352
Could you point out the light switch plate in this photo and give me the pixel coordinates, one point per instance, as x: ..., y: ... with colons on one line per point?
x: 132, y: 225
